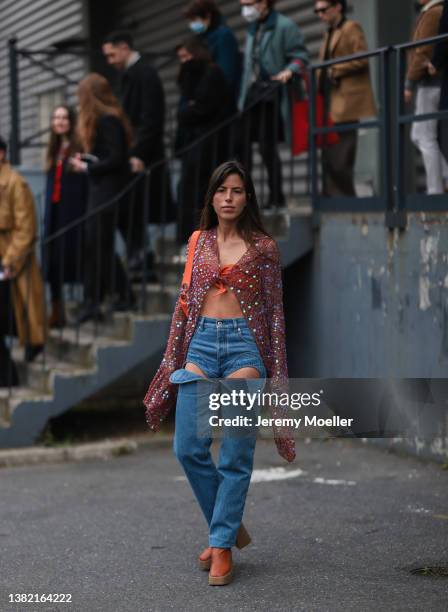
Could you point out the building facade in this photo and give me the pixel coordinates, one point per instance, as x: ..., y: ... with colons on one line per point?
x: 73, y: 31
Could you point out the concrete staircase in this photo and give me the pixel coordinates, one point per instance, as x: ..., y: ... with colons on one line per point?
x: 78, y: 364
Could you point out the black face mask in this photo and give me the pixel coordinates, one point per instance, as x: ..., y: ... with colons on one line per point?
x: 190, y: 73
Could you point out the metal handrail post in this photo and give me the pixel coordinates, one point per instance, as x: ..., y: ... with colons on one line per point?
x: 400, y: 196
x: 386, y: 135
x: 312, y: 142
x: 14, y: 139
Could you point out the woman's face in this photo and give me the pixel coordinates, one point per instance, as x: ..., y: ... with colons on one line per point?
x: 60, y: 122
x: 230, y: 198
x: 184, y: 55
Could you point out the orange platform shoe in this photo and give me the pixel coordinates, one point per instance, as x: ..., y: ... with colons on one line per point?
x: 242, y: 539
x: 221, y: 569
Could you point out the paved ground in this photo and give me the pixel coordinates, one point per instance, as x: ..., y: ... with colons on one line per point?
x: 122, y: 535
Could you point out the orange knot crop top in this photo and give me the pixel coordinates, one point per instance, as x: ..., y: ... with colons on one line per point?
x: 224, y: 271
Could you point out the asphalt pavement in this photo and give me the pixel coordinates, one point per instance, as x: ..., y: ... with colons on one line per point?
x: 338, y: 530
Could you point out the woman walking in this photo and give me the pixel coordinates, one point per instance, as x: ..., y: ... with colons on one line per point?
x: 229, y: 324
x: 105, y: 135
x: 66, y: 199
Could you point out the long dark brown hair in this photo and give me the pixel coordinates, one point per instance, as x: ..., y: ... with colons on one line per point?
x: 54, y: 144
x: 250, y: 221
x: 95, y: 100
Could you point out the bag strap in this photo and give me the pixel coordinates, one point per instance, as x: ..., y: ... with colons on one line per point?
x: 189, y: 263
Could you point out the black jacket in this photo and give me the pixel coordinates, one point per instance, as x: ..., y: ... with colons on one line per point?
x: 111, y: 172
x: 71, y: 206
x: 142, y: 97
x: 205, y: 100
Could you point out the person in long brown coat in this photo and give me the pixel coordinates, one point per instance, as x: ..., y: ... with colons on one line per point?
x: 17, y: 237
x: 347, y: 90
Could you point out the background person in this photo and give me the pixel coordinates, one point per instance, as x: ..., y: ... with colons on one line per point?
x: 207, y: 22
x: 427, y: 96
x: 8, y: 371
x: 141, y: 95
x: 205, y: 102
x: 440, y: 58
x: 274, y: 52
x: 66, y: 200
x: 347, y: 92
x: 106, y: 134
x: 440, y: 64
x: 18, y: 234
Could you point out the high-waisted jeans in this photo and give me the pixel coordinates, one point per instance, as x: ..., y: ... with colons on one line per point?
x: 219, y: 347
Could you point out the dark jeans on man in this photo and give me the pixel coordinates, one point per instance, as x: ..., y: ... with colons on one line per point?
x: 133, y: 219
x: 8, y: 372
x: 105, y: 273
x: 338, y: 165
x: 262, y: 123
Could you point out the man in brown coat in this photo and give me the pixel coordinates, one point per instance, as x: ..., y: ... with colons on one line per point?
x: 347, y: 91
x: 427, y: 96
x: 19, y: 263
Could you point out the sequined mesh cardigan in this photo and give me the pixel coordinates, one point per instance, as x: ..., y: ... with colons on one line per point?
x: 257, y: 283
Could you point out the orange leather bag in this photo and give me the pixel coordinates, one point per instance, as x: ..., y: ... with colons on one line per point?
x: 186, y: 279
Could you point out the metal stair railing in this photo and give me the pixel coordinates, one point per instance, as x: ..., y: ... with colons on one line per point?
x: 124, y: 202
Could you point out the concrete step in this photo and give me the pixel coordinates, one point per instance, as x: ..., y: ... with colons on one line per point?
x: 156, y: 300
x: 40, y: 376
x: 10, y: 401
x: 171, y: 271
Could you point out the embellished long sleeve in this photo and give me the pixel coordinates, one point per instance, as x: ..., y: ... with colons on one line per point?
x: 278, y: 368
x: 161, y: 395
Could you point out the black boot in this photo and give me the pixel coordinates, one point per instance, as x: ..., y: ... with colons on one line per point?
x: 32, y: 351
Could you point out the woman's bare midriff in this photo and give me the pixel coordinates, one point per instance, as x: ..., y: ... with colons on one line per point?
x: 224, y: 306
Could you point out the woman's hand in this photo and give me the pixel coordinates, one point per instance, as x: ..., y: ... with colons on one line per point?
x: 283, y: 76
x: 408, y: 95
x: 77, y: 164
x: 7, y: 273
x: 432, y: 70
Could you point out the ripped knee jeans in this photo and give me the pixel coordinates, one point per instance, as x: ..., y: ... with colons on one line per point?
x: 219, y: 348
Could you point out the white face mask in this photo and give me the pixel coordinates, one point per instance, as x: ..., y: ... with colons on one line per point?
x: 250, y: 13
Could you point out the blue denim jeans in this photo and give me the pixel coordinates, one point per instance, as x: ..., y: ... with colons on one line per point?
x: 219, y: 347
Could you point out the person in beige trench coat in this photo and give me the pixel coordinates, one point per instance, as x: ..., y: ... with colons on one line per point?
x: 17, y: 237
x: 348, y: 91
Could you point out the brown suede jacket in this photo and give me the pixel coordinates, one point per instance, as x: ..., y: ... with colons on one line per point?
x: 427, y: 26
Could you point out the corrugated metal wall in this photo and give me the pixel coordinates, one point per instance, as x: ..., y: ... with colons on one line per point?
x: 159, y: 27
x: 38, y: 25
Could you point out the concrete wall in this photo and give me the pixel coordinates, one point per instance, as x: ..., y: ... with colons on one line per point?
x: 376, y: 301
x: 370, y: 303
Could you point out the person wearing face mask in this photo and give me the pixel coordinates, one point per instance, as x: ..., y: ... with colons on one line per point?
x: 274, y: 52
x: 205, y: 102
x: 206, y: 21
